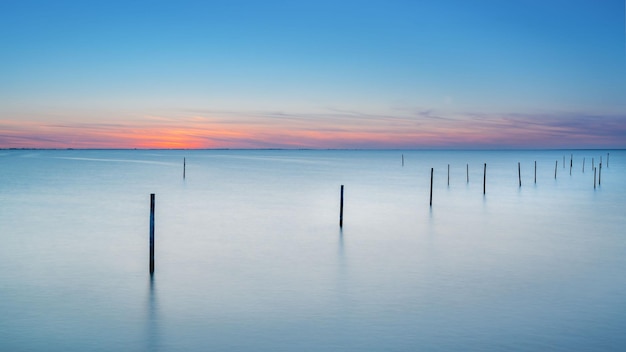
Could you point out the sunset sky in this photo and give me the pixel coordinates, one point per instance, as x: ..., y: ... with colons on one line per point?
x: 313, y: 74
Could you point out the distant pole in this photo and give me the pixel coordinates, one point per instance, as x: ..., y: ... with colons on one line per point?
x: 402, y: 160
x: 564, y: 161
x: 600, y: 174
x: 519, y: 173
x: 431, y: 186
x: 467, y: 173
x: 594, y: 178
x: 583, y: 165
x: 448, y: 174
x: 184, y: 166
x: 556, y: 163
x: 485, y: 179
x: 607, y: 159
x: 151, y: 233
x: 341, y: 208
x: 535, y: 171
x: 571, y: 163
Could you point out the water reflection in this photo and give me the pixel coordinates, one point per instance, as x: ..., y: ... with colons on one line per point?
x: 152, y: 326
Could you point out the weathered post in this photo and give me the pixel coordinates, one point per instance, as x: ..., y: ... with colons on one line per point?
x: 583, y: 165
x: 431, y: 186
x: 184, y: 166
x: 535, y: 171
x: 485, y: 179
x: 467, y: 173
x: 600, y: 174
x: 564, y: 161
x: 556, y: 163
x: 448, y: 174
x: 402, y: 160
x: 341, y: 208
x: 607, y: 159
x: 151, y: 233
x: 571, y: 163
x: 519, y: 173
x: 594, y: 178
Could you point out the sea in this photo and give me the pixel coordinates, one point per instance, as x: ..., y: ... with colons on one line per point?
x: 509, y: 250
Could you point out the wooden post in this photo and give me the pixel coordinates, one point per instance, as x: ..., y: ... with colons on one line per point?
x: 556, y: 163
x: 564, y: 161
x: 593, y: 164
x: 431, y: 186
x: 151, y: 233
x: 535, y: 171
x: 519, y: 173
x: 607, y: 159
x: 571, y: 163
x: 485, y: 179
x: 594, y: 178
x: 448, y: 174
x: 402, y: 160
x: 184, y: 166
x: 341, y: 208
x: 467, y: 173
x: 583, y: 165
x: 600, y: 174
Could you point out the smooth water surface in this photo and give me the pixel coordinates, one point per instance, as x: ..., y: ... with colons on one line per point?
x: 250, y: 256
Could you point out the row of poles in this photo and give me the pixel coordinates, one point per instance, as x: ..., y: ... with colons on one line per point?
x: 432, y: 171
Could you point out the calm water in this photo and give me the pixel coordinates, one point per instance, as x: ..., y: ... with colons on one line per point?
x: 250, y: 257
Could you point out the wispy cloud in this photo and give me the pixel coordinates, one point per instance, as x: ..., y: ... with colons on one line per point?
x: 334, y: 128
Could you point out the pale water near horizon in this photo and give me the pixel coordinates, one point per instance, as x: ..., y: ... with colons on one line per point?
x: 250, y: 256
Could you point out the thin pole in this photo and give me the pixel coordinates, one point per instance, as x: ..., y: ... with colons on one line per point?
x: 485, y: 179
x: 600, y: 174
x: 583, y: 165
x: 594, y: 178
x: 607, y: 159
x: 448, y: 174
x: 151, y: 233
x: 556, y: 163
x: 519, y: 173
x: 467, y: 172
x: 571, y: 163
x: 402, y: 160
x: 593, y: 164
x: 535, y: 171
x: 431, y: 186
x: 341, y: 209
x: 184, y: 166
x: 564, y: 161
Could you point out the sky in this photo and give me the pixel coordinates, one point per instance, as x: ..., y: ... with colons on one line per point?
x: 485, y: 74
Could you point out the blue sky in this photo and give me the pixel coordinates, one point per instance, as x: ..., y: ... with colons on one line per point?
x: 313, y: 74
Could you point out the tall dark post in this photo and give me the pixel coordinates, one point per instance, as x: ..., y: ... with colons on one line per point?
x: 594, y: 177
x: 535, y: 171
x: 564, y: 161
x: 485, y: 179
x: 519, y: 173
x: 341, y: 208
x: 467, y: 173
x: 448, y: 174
x: 607, y: 159
x: 600, y: 174
x: 583, y: 165
x: 402, y: 159
x: 184, y: 166
x: 571, y: 163
x: 556, y: 163
x: 151, y: 233
x: 593, y: 164
x: 431, y: 186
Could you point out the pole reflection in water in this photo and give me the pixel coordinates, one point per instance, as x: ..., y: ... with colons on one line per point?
x: 152, y: 319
